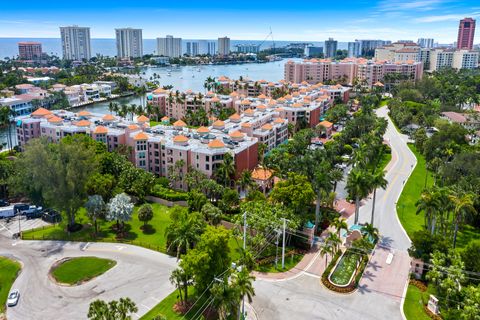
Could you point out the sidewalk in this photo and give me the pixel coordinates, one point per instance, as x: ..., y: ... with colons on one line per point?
x: 310, y: 264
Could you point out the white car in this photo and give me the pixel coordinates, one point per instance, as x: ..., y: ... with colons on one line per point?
x: 13, y: 298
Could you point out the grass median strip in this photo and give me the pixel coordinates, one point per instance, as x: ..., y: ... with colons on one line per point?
x: 8, y: 273
x: 74, y: 271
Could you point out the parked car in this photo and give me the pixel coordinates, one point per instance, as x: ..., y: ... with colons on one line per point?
x: 32, y: 212
x: 51, y: 216
x: 13, y: 297
x: 4, y: 203
x: 19, y: 207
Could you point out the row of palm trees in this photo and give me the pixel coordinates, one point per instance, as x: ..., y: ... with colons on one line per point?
x: 446, y: 210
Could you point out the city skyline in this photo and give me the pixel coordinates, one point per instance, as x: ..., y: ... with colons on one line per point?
x: 390, y: 20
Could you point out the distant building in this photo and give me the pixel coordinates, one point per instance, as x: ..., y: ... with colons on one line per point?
x: 75, y: 43
x: 331, y: 48
x: 466, y: 34
x: 354, y: 49
x: 368, y: 46
x: 398, y: 52
x: 426, y: 42
x: 247, y: 48
x: 30, y: 51
x: 224, y: 46
x: 313, y: 52
x: 207, y: 47
x: 450, y: 58
x: 169, y: 46
x: 129, y: 43
x: 192, y: 48
x: 406, y: 41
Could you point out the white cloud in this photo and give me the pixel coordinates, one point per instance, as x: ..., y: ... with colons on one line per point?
x: 422, y: 5
x: 446, y: 17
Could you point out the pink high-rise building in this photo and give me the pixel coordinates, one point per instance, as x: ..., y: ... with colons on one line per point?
x: 30, y: 51
x: 466, y: 33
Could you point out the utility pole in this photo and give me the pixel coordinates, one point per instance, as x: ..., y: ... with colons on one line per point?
x: 283, y: 243
x: 244, y: 252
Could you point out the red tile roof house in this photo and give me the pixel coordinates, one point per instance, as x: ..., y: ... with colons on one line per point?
x: 467, y: 121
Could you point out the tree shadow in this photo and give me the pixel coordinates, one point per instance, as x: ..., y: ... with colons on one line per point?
x: 363, y: 289
x: 374, y: 265
x: 386, y: 241
x: 368, y: 275
x: 148, y: 229
x: 125, y: 233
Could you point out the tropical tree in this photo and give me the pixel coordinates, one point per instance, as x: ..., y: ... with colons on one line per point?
x: 145, y: 214
x: 226, y: 298
x: 336, y: 175
x: 245, y: 181
x: 377, y: 181
x: 370, y: 231
x: 184, y: 230
x: 211, y: 213
x: 95, y: 208
x: 226, y: 170
x: 243, y: 282
x: 339, y: 224
x: 180, y: 279
x: 333, y: 241
x: 321, y: 183
x: 357, y: 187
x: 463, y: 205
x: 430, y: 204
x: 120, y: 208
x: 114, y: 310
x: 295, y: 193
x: 326, y: 250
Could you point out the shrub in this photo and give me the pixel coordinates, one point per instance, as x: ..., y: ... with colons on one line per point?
x: 169, y: 194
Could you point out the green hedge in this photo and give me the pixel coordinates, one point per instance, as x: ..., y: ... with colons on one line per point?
x: 168, y: 194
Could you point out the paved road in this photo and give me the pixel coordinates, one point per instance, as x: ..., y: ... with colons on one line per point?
x: 381, y: 289
x: 141, y: 274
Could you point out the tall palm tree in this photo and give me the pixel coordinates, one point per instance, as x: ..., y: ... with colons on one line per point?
x: 333, y: 241
x: 325, y: 251
x: 429, y: 203
x: 463, y: 205
x: 371, y: 231
x: 226, y: 170
x: 336, y: 175
x: 243, y: 281
x: 377, y: 181
x: 322, y: 185
x: 245, y: 181
x: 358, y: 188
x: 339, y: 224
x: 184, y: 231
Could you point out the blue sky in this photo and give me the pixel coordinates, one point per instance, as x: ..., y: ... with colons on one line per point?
x: 243, y: 19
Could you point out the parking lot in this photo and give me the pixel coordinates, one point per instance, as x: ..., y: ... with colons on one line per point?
x: 13, y: 225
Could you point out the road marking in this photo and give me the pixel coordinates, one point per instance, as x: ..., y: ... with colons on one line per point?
x: 120, y: 248
x: 85, y: 247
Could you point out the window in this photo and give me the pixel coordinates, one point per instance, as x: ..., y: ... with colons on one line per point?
x: 207, y: 167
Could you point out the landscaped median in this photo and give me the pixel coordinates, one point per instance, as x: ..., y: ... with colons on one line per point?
x: 345, y: 270
x: 9, y: 270
x: 76, y: 271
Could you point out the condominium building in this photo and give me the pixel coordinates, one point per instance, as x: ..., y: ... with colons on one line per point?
x: 466, y: 34
x: 129, y: 43
x: 368, y: 46
x: 354, y: 49
x: 313, y: 51
x: 426, y: 42
x: 451, y: 58
x: 75, y: 43
x: 349, y: 70
x: 30, y: 51
x: 224, y: 46
x: 330, y: 48
x: 247, y: 48
x: 206, y: 47
x: 398, y: 52
x: 192, y: 48
x: 169, y: 46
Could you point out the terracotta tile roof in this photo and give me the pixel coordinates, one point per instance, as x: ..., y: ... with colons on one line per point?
x: 100, y: 130
x: 278, y: 120
x: 262, y: 107
x: 219, y: 123
x: 233, y: 94
x: 40, y: 112
x: 297, y: 105
x: 455, y: 116
x: 236, y: 135
x: 326, y: 124
x: 159, y: 91
x: 133, y: 127
x: 180, y: 138
x: 216, y: 143
x: 262, y: 96
x: 55, y: 119
x: 215, y: 99
x: 246, y: 102
x: 84, y: 113
x: 165, y: 118
x: 235, y: 116
x: 261, y: 174
x: 203, y: 130
x: 142, y: 118
x: 246, y: 125
x: 83, y: 123
x: 266, y: 127
x: 279, y: 109
x: 272, y: 102
x: 249, y: 111
x: 108, y: 117
x: 179, y: 123
x: 140, y: 136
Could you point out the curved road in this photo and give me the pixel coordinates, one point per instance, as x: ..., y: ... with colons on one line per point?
x: 141, y: 274
x: 381, y: 289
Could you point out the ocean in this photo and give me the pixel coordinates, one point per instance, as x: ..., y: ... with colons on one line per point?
x: 107, y: 47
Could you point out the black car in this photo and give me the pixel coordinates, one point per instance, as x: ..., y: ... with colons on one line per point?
x: 4, y: 203
x: 52, y: 216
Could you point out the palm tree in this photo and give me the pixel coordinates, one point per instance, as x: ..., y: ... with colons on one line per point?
x: 245, y: 181
x: 336, y: 175
x: 179, y: 278
x: 321, y: 184
x: 429, y: 203
x: 226, y: 170
x: 325, y: 251
x: 184, y: 230
x: 377, y: 181
x: 243, y: 282
x: 358, y: 187
x: 463, y: 205
x: 339, y: 224
x: 333, y: 241
x: 370, y: 231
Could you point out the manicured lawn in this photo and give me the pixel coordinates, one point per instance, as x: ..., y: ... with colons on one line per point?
x: 153, y: 237
x: 154, y: 123
x: 290, y: 262
x: 345, y: 268
x: 165, y: 308
x: 81, y: 269
x: 413, y: 306
x: 406, y: 208
x: 386, y: 157
x: 8, y: 273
